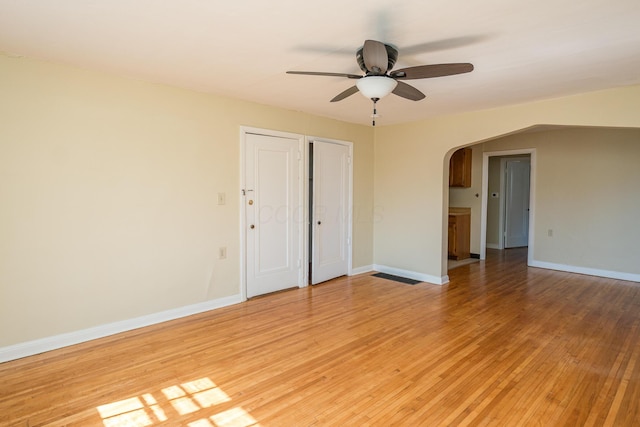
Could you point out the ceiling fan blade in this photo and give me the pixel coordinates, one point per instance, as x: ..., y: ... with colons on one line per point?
x: 429, y: 71
x: 407, y: 91
x: 375, y: 57
x: 319, y: 73
x: 442, y: 44
x: 344, y: 94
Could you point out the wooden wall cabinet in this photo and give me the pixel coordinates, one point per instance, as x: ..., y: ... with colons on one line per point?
x: 459, y: 233
x: 460, y: 168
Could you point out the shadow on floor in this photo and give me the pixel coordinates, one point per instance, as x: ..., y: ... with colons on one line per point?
x: 452, y: 263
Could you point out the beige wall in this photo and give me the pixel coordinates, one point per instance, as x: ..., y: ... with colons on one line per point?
x: 109, y: 196
x: 587, y: 193
x: 411, y: 167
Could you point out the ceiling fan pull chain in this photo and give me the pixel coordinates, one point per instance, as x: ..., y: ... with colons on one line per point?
x: 375, y: 111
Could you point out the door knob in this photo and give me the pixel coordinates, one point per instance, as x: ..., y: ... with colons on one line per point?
x: 319, y: 222
x: 252, y: 226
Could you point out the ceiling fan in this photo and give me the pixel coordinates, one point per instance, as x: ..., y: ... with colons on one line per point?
x: 376, y: 60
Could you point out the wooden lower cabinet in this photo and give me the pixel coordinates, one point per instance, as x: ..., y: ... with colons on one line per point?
x: 459, y: 233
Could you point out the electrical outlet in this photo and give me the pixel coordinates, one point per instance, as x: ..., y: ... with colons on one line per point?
x: 222, y: 254
x: 222, y: 198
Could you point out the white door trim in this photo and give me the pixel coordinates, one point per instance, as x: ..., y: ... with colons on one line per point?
x: 532, y: 198
x: 308, y: 140
x: 244, y: 131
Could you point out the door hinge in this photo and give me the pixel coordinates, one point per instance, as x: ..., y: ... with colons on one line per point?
x: 299, y: 155
x: 349, y: 160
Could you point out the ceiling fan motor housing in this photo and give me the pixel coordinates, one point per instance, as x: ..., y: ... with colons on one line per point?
x: 392, y: 54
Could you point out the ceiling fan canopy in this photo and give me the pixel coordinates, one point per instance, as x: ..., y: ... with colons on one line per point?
x: 376, y: 60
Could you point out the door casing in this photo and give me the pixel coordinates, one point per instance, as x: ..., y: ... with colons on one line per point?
x: 532, y: 198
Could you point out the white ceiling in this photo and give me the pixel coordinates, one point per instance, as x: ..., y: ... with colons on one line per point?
x: 522, y: 50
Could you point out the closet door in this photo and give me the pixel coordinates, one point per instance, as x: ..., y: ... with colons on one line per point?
x: 273, y: 209
x: 330, y: 211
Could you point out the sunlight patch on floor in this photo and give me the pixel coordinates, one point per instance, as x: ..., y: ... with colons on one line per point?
x: 128, y: 412
x: 183, y: 399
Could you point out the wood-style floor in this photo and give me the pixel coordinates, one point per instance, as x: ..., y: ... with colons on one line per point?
x: 502, y: 344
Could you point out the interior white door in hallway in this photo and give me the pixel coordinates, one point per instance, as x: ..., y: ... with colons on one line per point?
x: 330, y: 211
x: 517, y: 183
x: 273, y: 213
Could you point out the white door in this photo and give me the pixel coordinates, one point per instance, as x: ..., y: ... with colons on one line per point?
x: 273, y: 213
x: 330, y: 211
x: 517, y: 176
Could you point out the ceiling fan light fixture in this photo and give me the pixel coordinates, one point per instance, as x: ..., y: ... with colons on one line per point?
x: 376, y: 86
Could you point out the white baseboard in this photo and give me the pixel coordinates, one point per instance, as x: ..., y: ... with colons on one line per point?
x: 30, y: 348
x: 435, y: 280
x: 584, y: 270
x: 493, y: 246
x: 360, y: 270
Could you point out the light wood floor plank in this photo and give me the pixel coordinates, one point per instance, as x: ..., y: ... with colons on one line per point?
x: 501, y: 344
